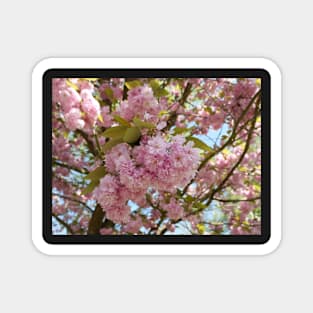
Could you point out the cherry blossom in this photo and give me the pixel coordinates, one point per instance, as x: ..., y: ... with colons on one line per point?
x: 156, y: 156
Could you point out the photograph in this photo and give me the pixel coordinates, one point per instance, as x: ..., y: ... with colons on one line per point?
x: 156, y: 156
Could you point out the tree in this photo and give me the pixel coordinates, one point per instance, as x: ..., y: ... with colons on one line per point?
x: 156, y: 156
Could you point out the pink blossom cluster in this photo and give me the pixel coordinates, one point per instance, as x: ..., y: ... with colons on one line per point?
x: 155, y: 163
x: 168, y: 164
x: 224, y: 101
x: 153, y: 173
x: 112, y: 196
x: 140, y: 103
x: 80, y: 109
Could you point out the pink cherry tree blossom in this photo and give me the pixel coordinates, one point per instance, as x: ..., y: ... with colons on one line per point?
x: 156, y: 156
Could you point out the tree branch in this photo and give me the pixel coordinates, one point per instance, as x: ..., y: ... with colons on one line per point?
x: 95, y: 222
x: 236, y: 200
x: 74, y: 200
x: 173, y: 115
x: 70, y: 167
x: 68, y: 228
x: 210, y: 195
x: 229, y: 141
x: 90, y: 144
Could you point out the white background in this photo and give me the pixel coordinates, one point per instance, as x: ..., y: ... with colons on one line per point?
x: 32, y: 30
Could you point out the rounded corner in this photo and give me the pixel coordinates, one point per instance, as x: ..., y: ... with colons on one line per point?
x: 271, y: 66
x: 41, y: 245
x: 272, y: 245
x: 42, y: 66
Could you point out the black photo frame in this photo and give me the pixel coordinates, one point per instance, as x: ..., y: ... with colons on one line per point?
x: 158, y: 239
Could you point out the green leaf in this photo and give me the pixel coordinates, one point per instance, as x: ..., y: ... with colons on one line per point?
x: 189, y: 199
x: 141, y: 124
x: 257, y: 212
x: 257, y: 187
x: 109, y: 93
x: 182, y: 130
x: 132, y: 135
x: 163, y: 112
x: 179, y: 130
x: 100, y: 118
x: 115, y: 132
x: 66, y: 134
x: 209, y: 110
x: 96, y: 174
x: 200, y: 205
x: 121, y: 121
x: 111, y: 143
x: 133, y: 84
x: 199, y: 144
x: 201, y: 228
x: 90, y: 187
x: 158, y: 91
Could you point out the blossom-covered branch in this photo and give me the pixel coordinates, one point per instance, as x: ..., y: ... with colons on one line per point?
x: 156, y: 156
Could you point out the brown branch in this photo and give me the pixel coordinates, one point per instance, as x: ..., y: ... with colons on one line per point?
x: 98, y: 145
x: 70, y: 167
x: 74, y: 200
x: 186, y: 93
x: 236, y: 200
x: 95, y: 222
x: 90, y: 144
x: 173, y: 115
x: 163, y: 214
x: 210, y: 195
x: 68, y: 228
x: 229, y: 141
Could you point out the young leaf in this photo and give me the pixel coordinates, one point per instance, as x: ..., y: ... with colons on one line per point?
x: 121, y: 121
x: 163, y: 112
x: 182, y: 130
x: 132, y: 135
x: 201, y: 228
x: 133, y: 84
x: 189, y: 199
x: 158, y: 91
x: 200, y: 206
x: 257, y: 187
x: 112, y: 143
x: 115, y: 132
x: 199, y: 144
x: 109, y: 93
x: 141, y: 124
x: 96, y: 174
x: 90, y: 187
x: 100, y: 118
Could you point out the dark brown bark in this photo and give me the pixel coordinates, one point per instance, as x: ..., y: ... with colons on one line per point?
x: 95, y: 222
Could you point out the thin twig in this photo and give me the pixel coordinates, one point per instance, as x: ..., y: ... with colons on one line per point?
x: 210, y: 195
x: 236, y: 200
x: 68, y: 228
x: 228, y: 142
x: 73, y: 200
x: 70, y: 167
